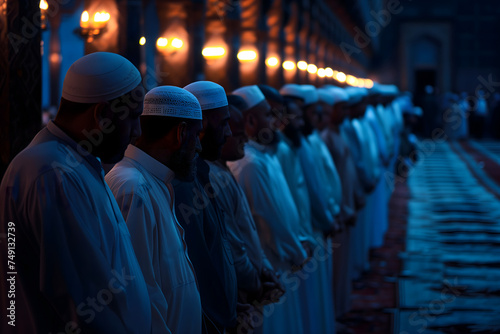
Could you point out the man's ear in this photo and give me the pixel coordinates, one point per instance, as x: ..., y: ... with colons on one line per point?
x: 249, y: 124
x: 204, y: 123
x: 101, y: 111
x: 181, y: 133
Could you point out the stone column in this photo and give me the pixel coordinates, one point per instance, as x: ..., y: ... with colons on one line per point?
x: 20, y: 82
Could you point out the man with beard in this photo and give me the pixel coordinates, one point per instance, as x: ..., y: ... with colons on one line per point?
x: 352, y: 197
x: 316, y: 293
x: 257, y: 283
x: 202, y: 218
x: 141, y: 183
x: 76, y: 267
x: 261, y: 177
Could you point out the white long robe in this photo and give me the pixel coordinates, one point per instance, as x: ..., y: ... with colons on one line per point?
x: 73, y: 256
x: 380, y: 192
x: 260, y: 175
x: 343, y: 264
x: 142, y: 189
x: 324, y: 208
x: 352, y: 132
x: 249, y: 257
x: 316, y: 291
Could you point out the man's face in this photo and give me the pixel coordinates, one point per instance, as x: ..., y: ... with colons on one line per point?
x: 122, y: 126
x: 340, y: 111
x: 183, y: 161
x: 216, y: 132
x: 266, y: 133
x: 234, y: 148
x: 293, y: 130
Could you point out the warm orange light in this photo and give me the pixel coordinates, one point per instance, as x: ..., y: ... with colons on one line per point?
x: 311, y: 68
x: 55, y: 58
x: 361, y: 83
x: 329, y: 72
x: 302, y: 65
x: 272, y: 61
x: 44, y: 5
x: 352, y: 80
x: 142, y: 40
x: 321, y: 72
x: 177, y: 43
x: 84, y: 20
x: 288, y: 65
x: 368, y: 83
x: 340, y: 76
x: 101, y: 17
x: 161, y: 42
x: 213, y: 52
x: 246, y: 55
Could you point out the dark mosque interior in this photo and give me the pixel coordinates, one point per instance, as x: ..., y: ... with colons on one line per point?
x: 419, y: 86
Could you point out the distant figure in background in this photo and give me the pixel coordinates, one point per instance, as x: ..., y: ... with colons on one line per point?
x: 462, y: 131
x: 495, y: 117
x: 141, y: 182
x: 480, y: 116
x: 455, y: 122
x: 76, y: 267
x: 432, y: 115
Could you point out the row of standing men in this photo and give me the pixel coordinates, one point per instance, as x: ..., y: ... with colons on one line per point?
x: 247, y: 212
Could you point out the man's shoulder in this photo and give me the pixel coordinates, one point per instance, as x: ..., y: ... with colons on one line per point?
x: 125, y: 177
x: 50, y: 157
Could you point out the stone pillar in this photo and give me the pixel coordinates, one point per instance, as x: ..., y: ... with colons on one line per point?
x: 276, y: 43
x: 129, y: 30
x: 291, y: 27
x: 251, y: 39
x: 218, y: 34
x: 20, y: 82
x: 175, y: 19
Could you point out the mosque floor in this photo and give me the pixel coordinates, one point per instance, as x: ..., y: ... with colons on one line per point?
x: 439, y: 268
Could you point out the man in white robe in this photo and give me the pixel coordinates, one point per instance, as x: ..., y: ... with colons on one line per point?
x: 352, y: 198
x: 353, y: 133
x: 257, y: 283
x: 203, y: 219
x: 324, y: 190
x: 141, y: 183
x: 290, y: 122
x: 260, y: 175
x: 74, y: 267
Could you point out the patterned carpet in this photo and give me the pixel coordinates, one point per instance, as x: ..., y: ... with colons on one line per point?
x: 439, y: 269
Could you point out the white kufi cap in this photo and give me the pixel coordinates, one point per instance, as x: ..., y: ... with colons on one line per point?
x: 338, y: 94
x: 209, y: 94
x: 251, y: 94
x: 325, y: 96
x: 171, y: 101
x: 292, y: 90
x: 99, y: 77
x: 310, y: 94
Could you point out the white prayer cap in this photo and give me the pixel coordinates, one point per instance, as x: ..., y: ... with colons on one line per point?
x: 338, y: 94
x: 325, y: 96
x: 356, y: 94
x: 209, y: 94
x: 99, y: 77
x: 416, y: 111
x: 292, y: 90
x: 251, y: 94
x: 171, y: 101
x: 310, y: 94
x: 388, y: 90
x: 376, y: 89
